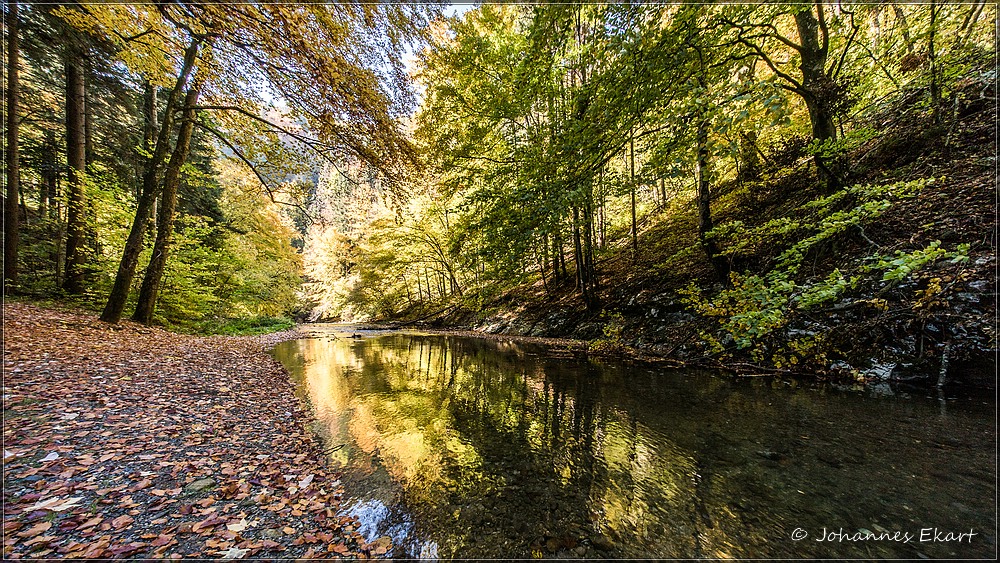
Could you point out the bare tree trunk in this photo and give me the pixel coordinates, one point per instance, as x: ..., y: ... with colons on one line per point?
x: 133, y: 245
x: 51, y: 150
x: 88, y: 115
x: 932, y: 58
x: 76, y: 159
x: 703, y: 181
x: 12, y: 215
x: 815, y: 81
x: 150, y: 289
x: 149, y: 134
x: 578, y: 252
x: 817, y: 84
x: 588, y: 248
x: 47, y: 188
x: 631, y: 172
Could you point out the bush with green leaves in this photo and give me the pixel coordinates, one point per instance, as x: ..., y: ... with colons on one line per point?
x: 753, y: 311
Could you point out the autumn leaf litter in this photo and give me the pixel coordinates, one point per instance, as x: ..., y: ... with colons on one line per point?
x: 130, y: 441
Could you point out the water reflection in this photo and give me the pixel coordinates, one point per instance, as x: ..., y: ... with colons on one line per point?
x: 459, y: 447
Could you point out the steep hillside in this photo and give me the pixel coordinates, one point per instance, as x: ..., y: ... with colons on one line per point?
x: 892, y: 277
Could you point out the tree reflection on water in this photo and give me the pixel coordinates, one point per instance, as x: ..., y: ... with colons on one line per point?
x: 476, y: 448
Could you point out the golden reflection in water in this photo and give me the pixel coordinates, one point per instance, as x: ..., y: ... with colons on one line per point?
x: 395, y: 403
x: 500, y: 451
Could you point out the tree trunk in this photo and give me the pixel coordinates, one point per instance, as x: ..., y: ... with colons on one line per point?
x: 76, y: 159
x: 12, y: 215
x: 149, y: 134
x: 150, y: 289
x: 932, y: 59
x: 749, y: 157
x: 815, y: 81
x: 588, y: 248
x: 46, y: 189
x: 631, y: 173
x: 578, y: 253
x: 133, y: 245
x: 818, y: 88
x: 88, y: 117
x: 51, y: 150
x: 703, y: 181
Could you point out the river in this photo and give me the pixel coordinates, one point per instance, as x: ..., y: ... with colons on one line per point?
x: 466, y: 447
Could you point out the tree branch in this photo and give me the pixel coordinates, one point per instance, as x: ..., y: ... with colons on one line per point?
x: 253, y: 168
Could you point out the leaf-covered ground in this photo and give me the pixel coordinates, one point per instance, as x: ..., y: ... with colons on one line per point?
x: 130, y: 441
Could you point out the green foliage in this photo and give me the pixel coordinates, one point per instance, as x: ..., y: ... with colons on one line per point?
x: 613, y: 329
x: 756, y: 307
x: 242, y: 326
x: 902, y: 264
x: 826, y: 290
x: 829, y: 149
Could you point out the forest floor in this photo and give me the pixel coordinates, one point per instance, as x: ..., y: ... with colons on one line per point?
x: 131, y: 441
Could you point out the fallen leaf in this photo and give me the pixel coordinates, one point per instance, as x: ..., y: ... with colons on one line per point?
x: 56, y: 504
x: 51, y: 457
x: 35, y: 530
x: 141, y: 485
x: 122, y: 521
x: 237, y: 526
x: 235, y: 553
x: 91, y: 523
x: 305, y: 482
x: 162, y: 540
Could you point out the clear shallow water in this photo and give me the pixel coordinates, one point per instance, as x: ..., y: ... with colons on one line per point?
x: 463, y: 447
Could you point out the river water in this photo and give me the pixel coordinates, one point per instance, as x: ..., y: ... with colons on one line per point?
x: 466, y: 447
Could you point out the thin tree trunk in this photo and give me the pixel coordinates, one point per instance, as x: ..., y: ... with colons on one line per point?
x: 969, y: 24
x: 561, y: 255
x: 588, y: 246
x: 631, y: 172
x: 581, y: 282
x: 76, y: 159
x: 602, y: 213
x: 12, y: 215
x: 703, y: 181
x: 427, y: 282
x: 150, y: 289
x: 932, y: 58
x: 133, y: 245
x: 51, y: 150
x: 46, y: 190
x: 149, y: 134
x: 88, y: 115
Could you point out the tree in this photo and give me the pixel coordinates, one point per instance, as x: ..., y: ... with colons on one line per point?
x: 819, y: 84
x: 76, y: 157
x: 12, y: 214
x: 165, y: 219
x: 149, y: 191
